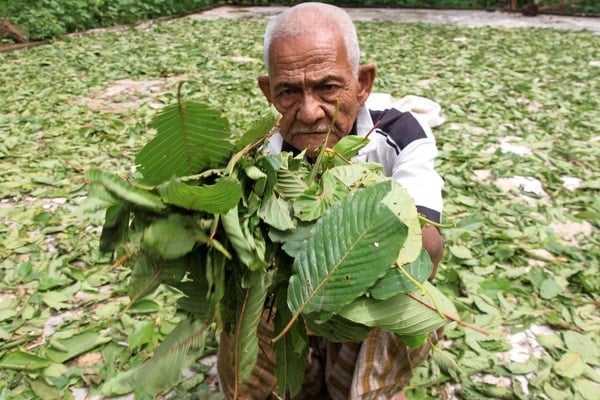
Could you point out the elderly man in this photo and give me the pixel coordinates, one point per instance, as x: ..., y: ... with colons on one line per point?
x: 315, y: 81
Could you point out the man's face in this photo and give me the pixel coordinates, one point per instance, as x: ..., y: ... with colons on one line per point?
x: 314, y: 88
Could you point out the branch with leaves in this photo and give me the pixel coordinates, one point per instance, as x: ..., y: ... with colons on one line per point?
x: 212, y: 214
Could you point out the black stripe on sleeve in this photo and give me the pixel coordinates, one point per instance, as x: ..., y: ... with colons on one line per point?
x: 401, y: 128
x: 430, y: 214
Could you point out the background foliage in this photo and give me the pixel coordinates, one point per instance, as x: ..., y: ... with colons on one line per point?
x: 43, y: 19
x: 520, y: 102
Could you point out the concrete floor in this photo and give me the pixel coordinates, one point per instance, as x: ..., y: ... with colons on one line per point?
x: 454, y: 17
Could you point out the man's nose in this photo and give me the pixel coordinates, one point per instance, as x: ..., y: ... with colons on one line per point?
x: 310, y: 109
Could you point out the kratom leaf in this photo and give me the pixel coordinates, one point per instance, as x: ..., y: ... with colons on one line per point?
x: 248, y: 253
x: 293, y: 240
x: 318, y: 198
x: 357, y: 175
x: 290, y: 351
x: 125, y: 190
x: 76, y: 345
x: 337, y: 329
x: 163, y: 370
x: 570, y: 365
x: 218, y: 198
x: 259, y: 130
x: 353, y: 245
x: 395, y: 281
x: 403, y: 205
x: 346, y: 148
x: 23, y: 361
x: 169, y: 238
x: 190, y: 138
x: 145, y: 276
x: 414, y: 340
x: 276, y: 213
x: 115, y: 228
x: 249, y: 314
x: 401, y: 314
x: 291, y: 176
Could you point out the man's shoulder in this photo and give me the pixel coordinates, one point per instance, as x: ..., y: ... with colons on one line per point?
x: 401, y: 127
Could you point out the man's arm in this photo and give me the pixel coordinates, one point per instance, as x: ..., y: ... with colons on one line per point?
x: 434, y: 244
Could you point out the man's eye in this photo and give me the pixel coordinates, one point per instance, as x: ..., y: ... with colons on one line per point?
x: 286, y: 92
x: 328, y: 87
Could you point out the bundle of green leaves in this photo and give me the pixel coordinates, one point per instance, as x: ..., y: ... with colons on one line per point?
x: 333, y: 246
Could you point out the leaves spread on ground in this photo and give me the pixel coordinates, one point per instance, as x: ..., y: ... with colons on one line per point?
x: 522, y: 261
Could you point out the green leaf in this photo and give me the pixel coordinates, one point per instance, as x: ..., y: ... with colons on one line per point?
x: 125, y: 190
x: 461, y: 252
x: 259, y: 130
x: 115, y: 228
x: 76, y: 345
x: 414, y: 340
x: 336, y: 328
x: 190, y: 138
x: 293, y: 240
x: 243, y: 243
x: 353, y: 245
x: 447, y: 362
x: 247, y: 321
x: 291, y: 176
x: 401, y: 314
x: 583, y: 345
x: 276, y: 213
x: 403, y: 205
x: 587, y: 389
x: 550, y: 289
x: 358, y: 175
x: 56, y: 300
x: 145, y: 276
x: 43, y: 391
x: 346, y: 148
x: 169, y: 238
x: 163, y: 369
x: 214, y: 199
x: 570, y: 365
x: 144, y: 306
x: 395, y: 281
x: 318, y: 198
x: 290, y: 351
x: 143, y: 333
x: 21, y: 360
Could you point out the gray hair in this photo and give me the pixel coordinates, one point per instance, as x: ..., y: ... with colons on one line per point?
x: 308, y: 17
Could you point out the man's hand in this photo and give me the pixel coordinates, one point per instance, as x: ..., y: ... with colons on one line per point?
x: 434, y: 244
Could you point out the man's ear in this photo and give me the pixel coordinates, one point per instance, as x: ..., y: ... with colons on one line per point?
x: 264, y: 83
x: 366, y: 77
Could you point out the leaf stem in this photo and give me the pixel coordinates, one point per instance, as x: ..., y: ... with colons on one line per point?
x: 123, y: 259
x: 319, y: 160
x: 426, y: 221
x: 286, y: 329
x: 450, y: 316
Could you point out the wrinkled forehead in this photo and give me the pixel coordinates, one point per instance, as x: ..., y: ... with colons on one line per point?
x: 316, y: 44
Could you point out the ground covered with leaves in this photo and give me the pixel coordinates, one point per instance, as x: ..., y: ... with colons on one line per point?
x: 519, y: 154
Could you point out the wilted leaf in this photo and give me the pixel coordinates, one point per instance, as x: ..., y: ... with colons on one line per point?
x: 23, y: 361
x: 570, y: 365
x: 77, y: 345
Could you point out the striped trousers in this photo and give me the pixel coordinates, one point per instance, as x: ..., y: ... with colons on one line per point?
x: 379, y: 368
